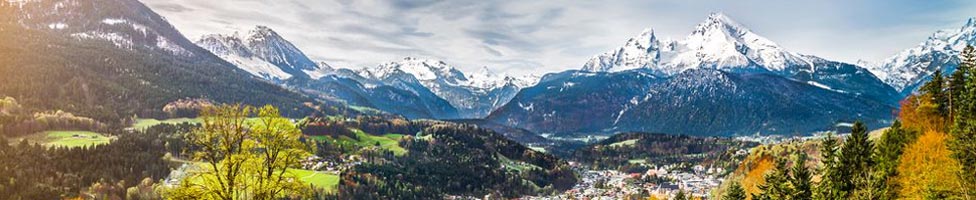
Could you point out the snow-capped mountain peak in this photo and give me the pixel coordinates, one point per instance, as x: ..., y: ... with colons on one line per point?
x: 223, y: 44
x: 262, y: 52
x: 906, y: 70
x: 719, y: 22
x: 486, y: 79
x: 639, y: 52
x: 474, y: 95
x: 233, y: 50
x: 722, y: 44
x: 268, y: 45
x: 262, y: 32
x: 719, y: 43
x: 421, y: 69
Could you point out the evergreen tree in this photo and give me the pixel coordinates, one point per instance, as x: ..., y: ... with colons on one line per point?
x: 968, y: 56
x: 935, y: 91
x: 735, y: 192
x: 777, y: 184
x: 887, y: 153
x: 829, y: 185
x: 855, y: 160
x: 963, y: 141
x: 800, y: 179
x: 957, y: 83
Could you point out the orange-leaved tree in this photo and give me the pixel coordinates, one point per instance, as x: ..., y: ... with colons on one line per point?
x: 926, y: 170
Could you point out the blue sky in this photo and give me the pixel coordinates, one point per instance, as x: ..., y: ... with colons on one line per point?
x: 519, y: 37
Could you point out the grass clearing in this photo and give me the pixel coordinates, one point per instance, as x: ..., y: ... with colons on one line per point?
x: 625, y: 143
x: 67, y: 138
x: 389, y: 142
x: 516, y: 165
x: 364, y: 109
x: 637, y: 161
x: 538, y: 148
x: 144, y: 123
x: 318, y: 179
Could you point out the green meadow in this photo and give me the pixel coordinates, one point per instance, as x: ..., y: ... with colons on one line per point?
x: 67, y: 138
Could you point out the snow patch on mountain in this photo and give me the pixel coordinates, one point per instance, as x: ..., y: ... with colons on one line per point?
x: 119, y: 40
x: 123, y: 28
x: 113, y: 21
x: 257, y: 67
x: 59, y: 25
x: 323, y: 70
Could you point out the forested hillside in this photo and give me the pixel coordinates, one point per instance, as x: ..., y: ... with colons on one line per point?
x: 629, y: 151
x: 440, y: 158
x: 928, y: 154
x: 48, y: 69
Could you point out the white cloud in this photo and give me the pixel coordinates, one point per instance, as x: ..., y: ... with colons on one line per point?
x: 546, y: 36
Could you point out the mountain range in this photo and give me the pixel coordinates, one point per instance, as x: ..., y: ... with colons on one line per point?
x: 118, y: 57
x: 648, y: 84
x: 413, y: 87
x: 722, y: 79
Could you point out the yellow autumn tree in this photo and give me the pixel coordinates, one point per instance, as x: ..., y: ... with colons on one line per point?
x: 926, y: 170
x: 240, y: 159
x: 920, y: 114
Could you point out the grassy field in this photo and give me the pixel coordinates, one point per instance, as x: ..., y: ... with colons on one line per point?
x: 324, y: 180
x: 318, y: 179
x: 627, y: 143
x: 388, y: 141
x: 516, y: 165
x: 67, y: 138
x: 637, y: 161
x: 367, y: 110
x: 537, y: 148
x: 142, y: 123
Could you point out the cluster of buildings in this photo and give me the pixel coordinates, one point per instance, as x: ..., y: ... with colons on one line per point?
x: 776, y: 139
x: 662, y: 183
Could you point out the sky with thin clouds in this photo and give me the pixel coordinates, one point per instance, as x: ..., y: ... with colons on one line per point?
x: 519, y: 37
